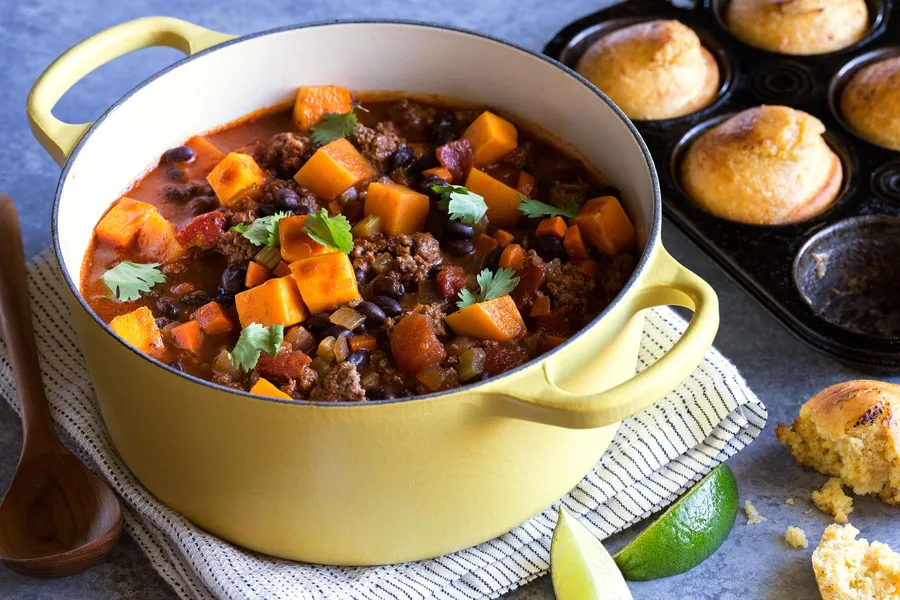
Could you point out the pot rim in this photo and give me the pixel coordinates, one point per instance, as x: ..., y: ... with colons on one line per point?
x: 652, y: 241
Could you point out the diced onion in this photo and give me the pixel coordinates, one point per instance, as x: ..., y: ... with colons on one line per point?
x: 341, y: 349
x: 223, y: 364
x: 433, y: 377
x: 369, y: 379
x: 319, y: 366
x: 347, y: 318
x: 471, y: 364
x: 382, y: 262
x: 367, y: 227
x: 300, y: 338
x: 326, y: 349
x: 459, y: 344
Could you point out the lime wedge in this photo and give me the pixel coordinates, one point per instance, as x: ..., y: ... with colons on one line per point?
x: 580, y: 566
x: 688, y: 533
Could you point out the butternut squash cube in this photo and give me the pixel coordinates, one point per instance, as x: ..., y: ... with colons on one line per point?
x: 276, y: 302
x: 212, y: 319
x: 325, y: 281
x: 401, y: 209
x: 139, y: 329
x: 502, y: 201
x: 234, y: 174
x: 496, y: 319
x: 334, y: 168
x: 264, y: 387
x: 606, y: 226
x: 157, y: 240
x: 206, y: 156
x: 492, y: 138
x: 315, y: 101
x: 295, y: 242
x: 187, y: 336
x: 123, y: 222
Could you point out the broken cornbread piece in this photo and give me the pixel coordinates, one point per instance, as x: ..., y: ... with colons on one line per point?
x: 831, y: 499
x: 796, y: 537
x: 851, y: 569
x: 789, y: 501
x: 753, y: 517
x: 848, y: 431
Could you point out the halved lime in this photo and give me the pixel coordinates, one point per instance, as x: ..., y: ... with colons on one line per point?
x: 580, y: 566
x: 688, y: 533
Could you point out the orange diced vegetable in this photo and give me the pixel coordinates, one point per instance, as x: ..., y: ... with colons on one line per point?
x: 123, y: 222
x: 590, y: 267
x: 212, y: 319
x: 287, y: 364
x: 541, y: 307
x: 233, y: 175
x: 401, y: 209
x: 554, y: 226
x: 492, y: 138
x: 315, y: 101
x: 414, y: 344
x: 157, y: 240
x: 574, y: 243
x: 326, y: 281
x: 187, y: 336
x: 334, y: 168
x: 264, y: 387
x: 496, y: 319
x: 513, y: 257
x: 256, y: 275
x: 484, y: 243
x: 282, y: 270
x: 606, y: 226
x: 549, y: 342
x: 504, y: 238
x: 139, y: 329
x: 525, y: 184
x: 206, y: 156
x: 502, y: 201
x: 295, y: 242
x: 441, y: 172
x: 363, y: 342
x: 276, y: 302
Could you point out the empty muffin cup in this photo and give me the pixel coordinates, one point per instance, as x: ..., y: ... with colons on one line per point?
x: 848, y: 274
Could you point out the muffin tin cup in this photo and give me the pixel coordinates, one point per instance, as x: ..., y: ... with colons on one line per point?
x: 772, y: 262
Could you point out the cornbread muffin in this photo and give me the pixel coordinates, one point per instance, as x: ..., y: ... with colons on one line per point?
x: 767, y: 165
x: 653, y: 70
x: 798, y: 27
x: 796, y: 537
x: 851, y: 569
x: 831, y: 499
x: 871, y: 103
x: 849, y: 431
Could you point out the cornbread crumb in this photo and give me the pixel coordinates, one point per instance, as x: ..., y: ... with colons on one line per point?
x: 789, y: 501
x: 851, y: 569
x: 796, y: 537
x: 831, y: 499
x: 753, y: 517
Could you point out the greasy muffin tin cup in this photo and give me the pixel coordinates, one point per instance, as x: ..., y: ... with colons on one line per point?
x: 839, y: 312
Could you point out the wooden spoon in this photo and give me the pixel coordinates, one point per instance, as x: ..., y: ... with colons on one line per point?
x: 57, y: 518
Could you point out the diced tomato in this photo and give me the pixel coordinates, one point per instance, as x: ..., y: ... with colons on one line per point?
x: 501, y: 358
x: 286, y: 365
x: 557, y: 321
x: 457, y: 157
x: 202, y: 231
x: 451, y: 280
x: 531, y: 278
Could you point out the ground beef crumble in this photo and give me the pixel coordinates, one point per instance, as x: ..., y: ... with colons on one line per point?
x: 412, y: 116
x: 568, y: 285
x: 383, y: 365
x: 182, y: 192
x: 415, y: 255
x: 340, y: 384
x: 286, y: 152
x: 521, y: 157
x: 237, y: 249
x: 561, y: 193
x: 378, y: 144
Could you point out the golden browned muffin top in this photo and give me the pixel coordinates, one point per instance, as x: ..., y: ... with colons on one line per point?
x: 871, y: 103
x: 840, y: 408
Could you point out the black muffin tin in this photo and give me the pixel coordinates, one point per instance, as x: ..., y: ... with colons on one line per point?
x: 833, y: 280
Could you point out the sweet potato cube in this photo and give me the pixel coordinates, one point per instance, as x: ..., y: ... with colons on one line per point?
x: 256, y: 274
x: 187, y: 336
x: 123, y: 222
x: 295, y: 242
x: 496, y: 319
x: 233, y: 175
x: 574, y: 244
x: 315, y: 101
x: 263, y: 387
x: 492, y: 138
x: 414, y: 343
x: 484, y: 244
x: 525, y: 184
x: 606, y: 226
x: 326, y: 281
x: 440, y: 173
x: 502, y: 201
x: 334, y: 168
x: 512, y: 257
x: 504, y: 238
x: 157, y: 239
x: 554, y: 226
x: 276, y: 302
x: 206, y: 156
x: 139, y: 329
x: 401, y: 209
x: 212, y: 319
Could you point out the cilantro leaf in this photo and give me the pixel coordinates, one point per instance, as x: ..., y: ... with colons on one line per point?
x: 464, y: 206
x: 127, y: 280
x: 333, y: 232
x: 490, y: 286
x: 262, y: 231
x: 333, y: 126
x: 534, y: 209
x: 255, y: 338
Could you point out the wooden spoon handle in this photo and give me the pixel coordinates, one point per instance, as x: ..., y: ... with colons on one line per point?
x: 15, y: 319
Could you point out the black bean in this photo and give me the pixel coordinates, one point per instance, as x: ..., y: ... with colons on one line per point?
x: 379, y: 393
x: 161, y: 322
x: 459, y: 247
x: 428, y: 184
x: 436, y: 223
x: 176, y: 174
x: 359, y: 359
x: 178, y: 154
x: 319, y: 320
x: 302, y: 210
x: 442, y: 130
x: 232, y: 280
x: 461, y: 231
x: 375, y: 317
x: 427, y: 161
x: 492, y: 259
x: 390, y: 306
x: 167, y: 306
x: 286, y: 199
x: 351, y: 193
x: 195, y: 298
x: 360, y: 277
x: 176, y: 364
x: 387, y: 286
x: 266, y: 210
x: 550, y: 247
x: 360, y: 329
x: 203, y: 204
x: 224, y: 297
x: 403, y: 157
x: 336, y: 331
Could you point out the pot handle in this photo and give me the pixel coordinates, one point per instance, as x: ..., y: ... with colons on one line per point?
x: 538, y: 397
x: 59, y: 138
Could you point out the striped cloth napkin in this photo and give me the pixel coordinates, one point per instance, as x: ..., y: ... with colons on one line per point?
x: 655, y: 456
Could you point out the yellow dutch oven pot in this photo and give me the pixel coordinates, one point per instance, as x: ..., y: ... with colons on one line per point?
x: 378, y: 482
